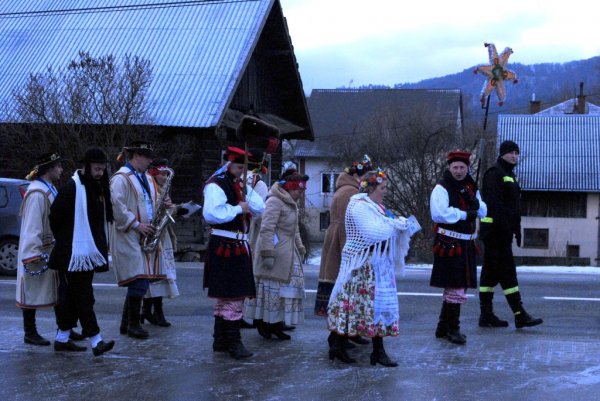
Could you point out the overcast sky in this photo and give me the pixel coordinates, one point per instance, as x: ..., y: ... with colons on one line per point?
x: 396, y: 41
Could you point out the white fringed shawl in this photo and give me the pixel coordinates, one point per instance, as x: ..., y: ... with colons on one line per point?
x: 370, y: 233
x: 84, y: 255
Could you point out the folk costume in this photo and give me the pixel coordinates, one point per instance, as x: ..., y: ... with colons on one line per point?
x: 228, y: 265
x: 79, y: 219
x: 346, y: 186
x: 134, y: 195
x: 152, y: 309
x: 277, y: 262
x: 502, y: 193
x: 37, y: 287
x: 455, y: 205
x: 364, y: 299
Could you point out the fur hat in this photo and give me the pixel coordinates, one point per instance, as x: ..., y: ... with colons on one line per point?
x: 94, y: 155
x: 459, y: 156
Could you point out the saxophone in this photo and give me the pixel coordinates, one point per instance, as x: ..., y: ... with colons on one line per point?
x: 161, y: 218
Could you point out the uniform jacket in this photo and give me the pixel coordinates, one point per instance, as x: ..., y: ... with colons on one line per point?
x: 36, y: 238
x: 62, y: 219
x: 128, y: 259
x: 279, y: 236
x: 331, y: 256
x: 502, y: 194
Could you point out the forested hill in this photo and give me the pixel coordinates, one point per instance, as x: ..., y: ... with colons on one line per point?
x: 551, y: 82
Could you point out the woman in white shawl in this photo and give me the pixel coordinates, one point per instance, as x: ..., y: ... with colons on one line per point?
x: 364, y: 299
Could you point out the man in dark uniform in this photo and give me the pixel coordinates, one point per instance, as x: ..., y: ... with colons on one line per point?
x: 228, y: 266
x: 502, y: 194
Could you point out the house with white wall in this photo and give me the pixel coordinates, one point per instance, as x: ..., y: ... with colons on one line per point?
x: 559, y: 174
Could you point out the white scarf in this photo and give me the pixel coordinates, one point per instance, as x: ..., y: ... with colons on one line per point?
x: 84, y: 255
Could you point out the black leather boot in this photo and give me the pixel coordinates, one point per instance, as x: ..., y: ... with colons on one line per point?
x: 441, y: 330
x: 147, y: 312
x: 277, y: 331
x: 31, y: 334
x: 220, y: 343
x: 234, y: 338
x: 338, y: 349
x: 263, y: 329
x: 453, y: 317
x: 378, y: 356
x: 124, y: 317
x: 524, y: 319
x: 159, y: 315
x: 487, y: 318
x: 135, y: 329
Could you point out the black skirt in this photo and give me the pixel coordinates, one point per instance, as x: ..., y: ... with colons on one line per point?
x: 228, y: 269
x: 454, y: 264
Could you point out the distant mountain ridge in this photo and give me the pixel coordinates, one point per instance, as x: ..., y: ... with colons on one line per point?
x: 551, y: 82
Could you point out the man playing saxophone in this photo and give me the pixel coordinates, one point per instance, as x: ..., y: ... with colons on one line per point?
x: 152, y: 309
x: 135, y: 201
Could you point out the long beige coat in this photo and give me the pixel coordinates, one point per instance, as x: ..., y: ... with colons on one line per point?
x: 335, y: 236
x: 128, y: 259
x: 36, y: 238
x: 279, y: 236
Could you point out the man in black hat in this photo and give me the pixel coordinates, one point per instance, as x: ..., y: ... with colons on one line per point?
x: 134, y: 196
x: 502, y: 194
x: 78, y: 218
x: 36, y: 285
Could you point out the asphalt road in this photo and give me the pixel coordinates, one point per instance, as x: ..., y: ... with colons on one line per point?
x: 559, y: 360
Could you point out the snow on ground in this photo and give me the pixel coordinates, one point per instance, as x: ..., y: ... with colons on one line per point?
x: 315, y: 259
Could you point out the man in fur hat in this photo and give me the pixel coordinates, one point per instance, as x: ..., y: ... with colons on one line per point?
x: 455, y: 205
x: 502, y: 193
x: 134, y: 199
x: 36, y: 286
x: 78, y: 219
x: 228, y: 267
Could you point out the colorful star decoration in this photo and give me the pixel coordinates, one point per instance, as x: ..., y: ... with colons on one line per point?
x: 496, y: 73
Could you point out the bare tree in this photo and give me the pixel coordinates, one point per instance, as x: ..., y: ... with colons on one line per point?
x: 410, y: 145
x: 93, y: 101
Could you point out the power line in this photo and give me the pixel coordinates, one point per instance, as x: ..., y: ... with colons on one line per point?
x: 119, y: 8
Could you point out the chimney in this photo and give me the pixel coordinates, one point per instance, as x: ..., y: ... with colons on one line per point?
x: 581, y: 100
x: 534, y: 105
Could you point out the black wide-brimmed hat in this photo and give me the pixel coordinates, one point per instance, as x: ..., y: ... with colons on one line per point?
x: 47, y: 158
x: 94, y: 155
x: 140, y: 147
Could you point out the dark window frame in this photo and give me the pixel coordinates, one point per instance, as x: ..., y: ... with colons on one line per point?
x: 533, y: 238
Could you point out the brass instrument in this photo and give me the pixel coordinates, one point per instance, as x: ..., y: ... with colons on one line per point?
x: 162, y: 216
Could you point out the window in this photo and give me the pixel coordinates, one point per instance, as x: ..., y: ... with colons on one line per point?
x: 572, y: 251
x: 554, y: 204
x: 328, y: 182
x: 535, y: 238
x: 323, y: 220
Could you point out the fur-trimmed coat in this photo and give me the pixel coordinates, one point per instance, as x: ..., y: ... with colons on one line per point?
x: 279, y: 236
x: 331, y: 256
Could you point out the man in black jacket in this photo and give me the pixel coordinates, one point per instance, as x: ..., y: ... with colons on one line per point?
x: 78, y: 220
x: 502, y: 194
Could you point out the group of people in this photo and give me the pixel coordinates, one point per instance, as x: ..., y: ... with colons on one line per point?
x: 66, y: 235
x: 254, y: 260
x: 455, y: 205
